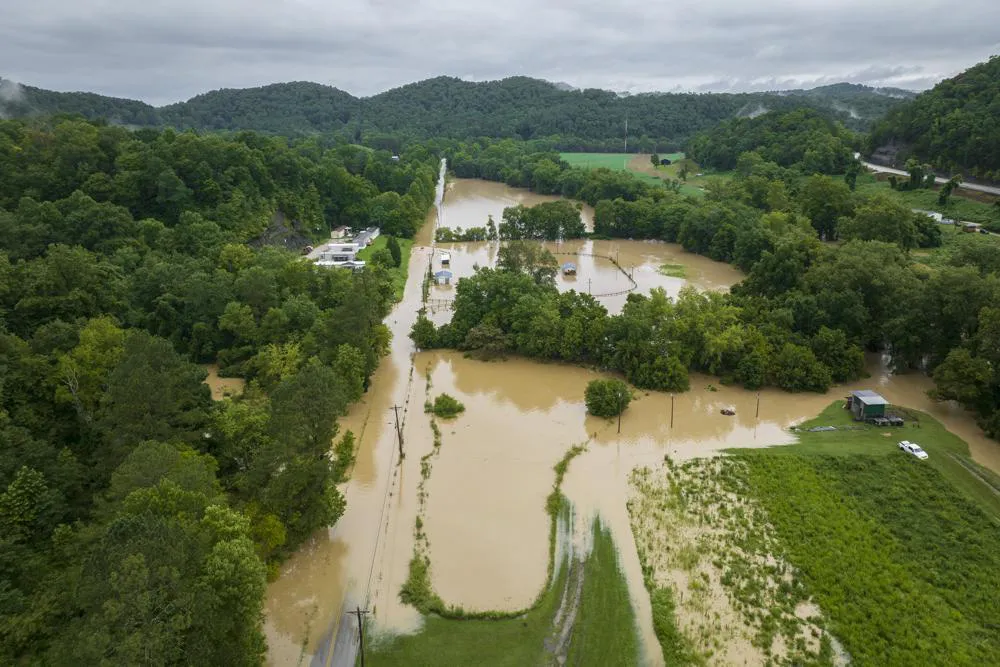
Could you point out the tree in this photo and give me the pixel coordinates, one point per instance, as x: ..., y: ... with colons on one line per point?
x: 851, y: 175
x: 824, y: 201
x: 153, y: 394
x: 607, y: 398
x: 881, y: 218
x: 84, y: 372
x: 948, y: 188
x: 393, y: 245
x: 530, y: 258
x: 964, y: 378
x: 165, y: 558
x: 424, y: 333
x: 655, y: 159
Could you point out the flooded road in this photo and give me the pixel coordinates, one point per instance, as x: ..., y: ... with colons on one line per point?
x: 485, y: 510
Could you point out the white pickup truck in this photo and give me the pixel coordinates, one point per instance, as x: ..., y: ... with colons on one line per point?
x: 913, y: 448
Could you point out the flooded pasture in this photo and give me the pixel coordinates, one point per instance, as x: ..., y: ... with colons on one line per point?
x: 485, y: 508
x: 609, y: 270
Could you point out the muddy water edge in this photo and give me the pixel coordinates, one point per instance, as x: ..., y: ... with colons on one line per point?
x: 485, y: 506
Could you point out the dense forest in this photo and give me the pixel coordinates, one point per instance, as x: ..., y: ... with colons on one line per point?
x: 953, y: 126
x: 137, y: 517
x: 800, y: 320
x: 801, y: 138
x: 517, y: 107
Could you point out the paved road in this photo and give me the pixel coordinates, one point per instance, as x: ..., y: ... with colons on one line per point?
x: 899, y: 172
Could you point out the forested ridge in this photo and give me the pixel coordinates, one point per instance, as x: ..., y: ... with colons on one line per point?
x: 516, y: 107
x: 954, y: 126
x: 800, y: 320
x: 138, y: 519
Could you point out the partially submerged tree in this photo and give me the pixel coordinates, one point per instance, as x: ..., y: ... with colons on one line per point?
x: 607, y: 398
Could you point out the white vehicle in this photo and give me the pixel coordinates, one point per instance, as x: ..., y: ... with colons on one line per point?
x: 913, y: 448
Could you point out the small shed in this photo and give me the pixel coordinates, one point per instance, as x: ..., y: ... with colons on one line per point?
x: 866, y: 404
x: 445, y: 259
x: 569, y: 269
x: 442, y: 277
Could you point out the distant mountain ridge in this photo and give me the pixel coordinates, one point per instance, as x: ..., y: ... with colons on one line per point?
x: 519, y: 107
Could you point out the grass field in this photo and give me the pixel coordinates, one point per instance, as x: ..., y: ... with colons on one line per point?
x: 640, y: 165
x: 895, y: 557
x: 901, y: 563
x: 398, y: 273
x: 616, y: 161
x: 945, y: 449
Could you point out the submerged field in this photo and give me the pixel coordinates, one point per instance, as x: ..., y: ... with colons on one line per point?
x: 583, y: 616
x: 840, y: 547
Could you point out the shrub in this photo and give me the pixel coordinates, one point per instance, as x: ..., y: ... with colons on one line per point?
x: 606, y: 398
x: 446, y: 406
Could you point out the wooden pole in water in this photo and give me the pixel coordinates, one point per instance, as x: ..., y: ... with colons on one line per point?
x: 671, y: 410
x: 619, y: 412
x: 358, y: 611
x: 399, y: 432
x: 757, y: 416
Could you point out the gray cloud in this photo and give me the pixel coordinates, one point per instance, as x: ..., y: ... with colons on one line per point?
x: 165, y: 52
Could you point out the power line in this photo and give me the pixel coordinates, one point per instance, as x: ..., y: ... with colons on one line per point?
x: 358, y: 611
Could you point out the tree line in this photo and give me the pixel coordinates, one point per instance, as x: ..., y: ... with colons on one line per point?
x: 800, y: 320
x: 515, y: 107
x: 137, y: 517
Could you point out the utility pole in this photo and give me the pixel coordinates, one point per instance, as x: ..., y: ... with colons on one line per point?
x: 588, y: 285
x: 619, y: 411
x: 757, y: 416
x: 626, y: 132
x: 671, y: 410
x: 358, y: 611
x: 399, y: 431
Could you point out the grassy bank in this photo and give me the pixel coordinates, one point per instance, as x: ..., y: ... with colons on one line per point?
x: 399, y: 272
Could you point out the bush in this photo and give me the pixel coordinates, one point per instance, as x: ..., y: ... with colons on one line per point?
x: 606, y: 398
x: 446, y: 406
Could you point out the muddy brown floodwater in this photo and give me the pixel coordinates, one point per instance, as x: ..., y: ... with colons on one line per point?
x: 485, y: 510
x: 469, y: 202
x: 222, y: 387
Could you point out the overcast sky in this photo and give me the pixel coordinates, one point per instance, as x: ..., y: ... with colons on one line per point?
x: 170, y: 50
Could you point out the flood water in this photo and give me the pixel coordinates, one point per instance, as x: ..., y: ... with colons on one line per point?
x: 222, y: 387
x: 485, y: 511
x: 469, y: 202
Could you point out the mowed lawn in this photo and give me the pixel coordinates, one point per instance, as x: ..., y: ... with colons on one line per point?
x: 947, y: 453
x: 398, y: 273
x: 616, y: 161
